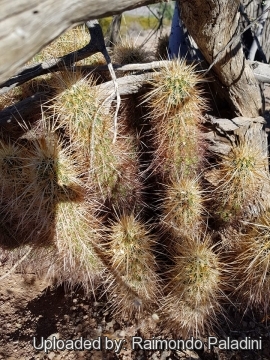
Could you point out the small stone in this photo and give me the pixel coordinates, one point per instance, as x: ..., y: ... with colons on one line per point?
x: 56, y: 335
x: 165, y: 354
x: 51, y: 355
x: 78, y: 328
x: 122, y: 333
x: 58, y: 357
x: 192, y: 355
x: 155, y: 317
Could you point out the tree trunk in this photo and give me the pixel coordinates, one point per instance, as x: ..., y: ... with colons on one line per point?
x: 258, y: 34
x: 251, y: 10
x: 113, y: 36
x: 212, y: 24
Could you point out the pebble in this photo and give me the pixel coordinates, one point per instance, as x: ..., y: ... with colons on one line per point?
x: 51, y: 355
x: 57, y: 357
x: 192, y: 355
x: 78, y: 328
x: 56, y: 335
x: 122, y: 333
x: 155, y: 317
x: 165, y: 354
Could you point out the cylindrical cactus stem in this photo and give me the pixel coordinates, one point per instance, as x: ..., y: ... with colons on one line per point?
x: 251, y: 265
x: 176, y: 106
x: 195, y: 287
x: 132, y: 259
x: 239, y: 183
x: 111, y: 169
x: 77, y: 233
x: 182, y: 207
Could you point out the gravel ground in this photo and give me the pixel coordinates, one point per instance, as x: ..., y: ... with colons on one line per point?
x: 30, y: 308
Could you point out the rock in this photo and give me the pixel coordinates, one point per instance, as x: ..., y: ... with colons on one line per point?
x: 122, y: 333
x: 51, y: 355
x: 56, y: 335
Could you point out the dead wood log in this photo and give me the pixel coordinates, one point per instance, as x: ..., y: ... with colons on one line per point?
x: 261, y: 71
x: 14, y: 113
x: 127, y: 85
x: 223, y: 134
x: 213, y: 24
x: 250, y: 10
x: 26, y: 26
x: 96, y: 44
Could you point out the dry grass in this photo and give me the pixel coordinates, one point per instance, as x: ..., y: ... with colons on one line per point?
x: 71, y: 40
x: 128, y: 52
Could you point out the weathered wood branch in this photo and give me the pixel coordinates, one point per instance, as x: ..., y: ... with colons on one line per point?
x: 126, y: 85
x: 26, y: 26
x: 224, y: 133
x: 64, y: 63
x: 130, y: 84
x: 22, y: 108
x: 251, y: 10
x: 261, y: 71
x: 96, y: 44
x: 213, y: 24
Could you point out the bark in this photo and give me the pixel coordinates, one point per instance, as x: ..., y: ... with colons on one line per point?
x: 96, y: 44
x: 250, y: 11
x: 258, y: 36
x: 222, y: 134
x: 113, y: 36
x: 213, y: 24
x: 26, y: 26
